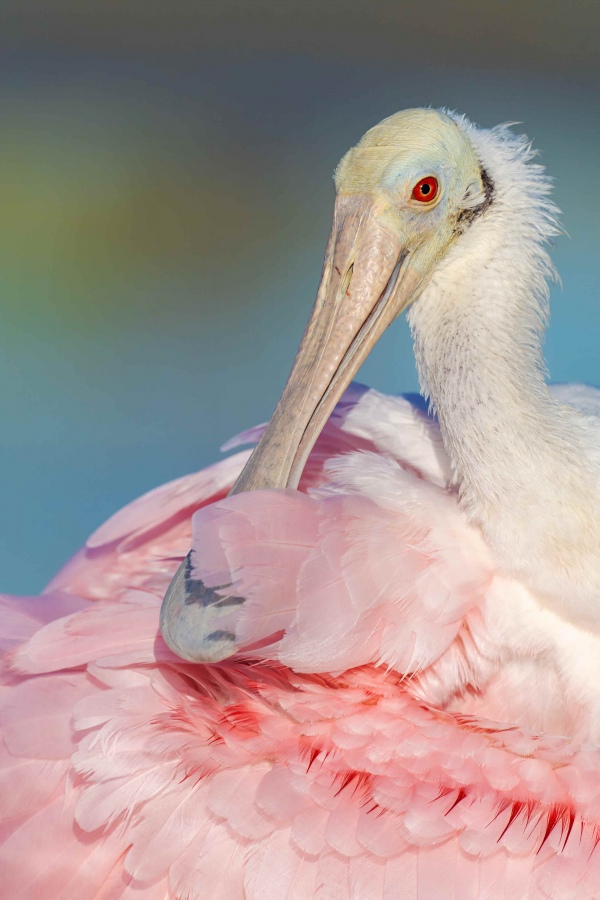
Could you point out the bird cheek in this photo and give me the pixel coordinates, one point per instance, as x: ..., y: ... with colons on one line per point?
x: 426, y: 227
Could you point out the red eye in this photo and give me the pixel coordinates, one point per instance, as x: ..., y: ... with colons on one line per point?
x: 425, y: 190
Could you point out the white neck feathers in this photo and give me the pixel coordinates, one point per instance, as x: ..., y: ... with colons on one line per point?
x: 522, y: 462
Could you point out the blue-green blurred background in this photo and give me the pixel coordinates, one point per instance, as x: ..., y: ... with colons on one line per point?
x: 165, y: 196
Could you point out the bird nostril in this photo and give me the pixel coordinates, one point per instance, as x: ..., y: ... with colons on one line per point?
x: 346, y: 281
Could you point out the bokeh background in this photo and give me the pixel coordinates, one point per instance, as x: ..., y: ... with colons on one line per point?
x: 165, y: 197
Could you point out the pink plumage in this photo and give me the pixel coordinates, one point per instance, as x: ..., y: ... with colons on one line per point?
x: 332, y: 757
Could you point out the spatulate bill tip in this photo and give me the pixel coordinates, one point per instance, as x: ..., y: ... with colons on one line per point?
x: 189, y: 617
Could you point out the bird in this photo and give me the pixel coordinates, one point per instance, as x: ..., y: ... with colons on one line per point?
x: 375, y: 674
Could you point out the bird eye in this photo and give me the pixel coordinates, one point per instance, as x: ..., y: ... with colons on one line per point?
x: 426, y: 190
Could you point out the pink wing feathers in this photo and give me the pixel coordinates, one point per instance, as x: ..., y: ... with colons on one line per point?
x: 242, y: 780
x: 139, y: 545
x: 337, y: 579
x: 126, y: 772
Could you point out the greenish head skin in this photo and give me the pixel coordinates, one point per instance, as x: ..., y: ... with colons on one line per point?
x: 391, y: 159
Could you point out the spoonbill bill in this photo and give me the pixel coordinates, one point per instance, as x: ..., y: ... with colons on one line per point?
x: 377, y: 674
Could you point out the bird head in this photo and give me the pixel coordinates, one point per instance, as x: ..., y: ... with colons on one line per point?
x: 404, y: 195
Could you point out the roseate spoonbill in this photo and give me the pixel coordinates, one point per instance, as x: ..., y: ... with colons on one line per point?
x: 386, y: 684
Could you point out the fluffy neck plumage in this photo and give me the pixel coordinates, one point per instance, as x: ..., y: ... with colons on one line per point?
x: 522, y: 461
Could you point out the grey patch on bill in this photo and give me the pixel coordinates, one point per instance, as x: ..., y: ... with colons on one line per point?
x: 197, y: 592
x: 190, y: 614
